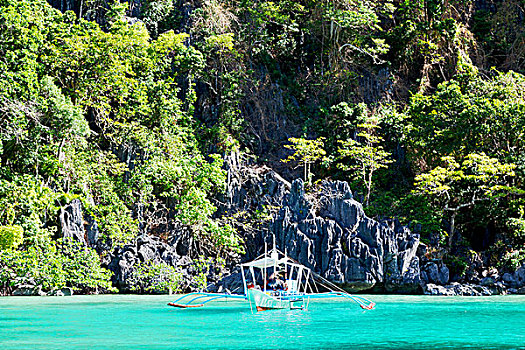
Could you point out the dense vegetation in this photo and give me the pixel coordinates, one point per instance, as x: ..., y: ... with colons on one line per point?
x: 131, y: 107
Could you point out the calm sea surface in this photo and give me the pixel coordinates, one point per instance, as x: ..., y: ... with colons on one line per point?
x: 145, y: 322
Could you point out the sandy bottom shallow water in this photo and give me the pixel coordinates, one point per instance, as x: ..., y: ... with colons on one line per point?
x: 146, y: 322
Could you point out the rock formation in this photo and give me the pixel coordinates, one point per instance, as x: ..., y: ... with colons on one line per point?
x: 77, y: 224
x: 332, y: 235
x: 326, y: 230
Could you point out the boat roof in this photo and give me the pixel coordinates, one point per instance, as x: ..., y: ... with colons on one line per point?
x: 270, y: 261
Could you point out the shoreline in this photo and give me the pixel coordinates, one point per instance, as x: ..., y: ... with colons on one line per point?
x: 450, y: 290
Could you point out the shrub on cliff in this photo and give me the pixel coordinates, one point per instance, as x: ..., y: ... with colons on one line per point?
x: 54, y: 265
x: 150, y: 277
x: 104, y: 115
x: 11, y: 236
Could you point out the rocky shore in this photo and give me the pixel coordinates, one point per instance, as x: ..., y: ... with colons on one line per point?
x: 328, y: 231
x: 325, y: 229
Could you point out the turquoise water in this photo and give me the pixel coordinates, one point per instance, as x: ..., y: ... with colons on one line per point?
x: 145, y: 322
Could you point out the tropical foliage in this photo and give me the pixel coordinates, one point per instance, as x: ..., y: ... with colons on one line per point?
x: 131, y: 107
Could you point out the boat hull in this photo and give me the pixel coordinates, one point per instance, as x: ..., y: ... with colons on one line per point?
x: 264, y: 301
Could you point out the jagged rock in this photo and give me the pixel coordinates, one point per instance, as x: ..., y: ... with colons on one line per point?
x: 409, y: 282
x: 147, y: 253
x: 515, y: 280
x: 328, y: 232
x: 53, y: 293
x: 72, y: 222
x: 436, y: 274
x: 471, y: 290
x: 488, y: 282
x: 373, y: 85
x: 480, y: 289
x: 444, y: 274
x: 77, y: 225
x: 91, y: 228
x: 498, y: 288
x: 433, y: 289
x: 475, y: 265
x: 145, y: 249
x: 519, y: 276
x: 334, y: 237
x: 67, y: 291
x: 122, y: 266
x: 63, y: 292
x: 229, y: 284
x: 25, y: 290
x: 56, y: 293
x: 509, y: 280
x: 454, y: 289
x: 521, y: 290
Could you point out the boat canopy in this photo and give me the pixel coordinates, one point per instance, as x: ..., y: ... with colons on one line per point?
x: 266, y: 262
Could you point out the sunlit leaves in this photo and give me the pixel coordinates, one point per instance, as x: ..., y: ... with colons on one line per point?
x: 55, y: 265
x: 95, y: 113
x: 467, y: 116
x: 476, y: 177
x: 155, y: 277
x: 11, y: 236
x: 461, y: 185
x: 366, y: 155
x: 306, y: 152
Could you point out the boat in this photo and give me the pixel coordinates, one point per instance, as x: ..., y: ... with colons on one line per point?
x: 275, y: 281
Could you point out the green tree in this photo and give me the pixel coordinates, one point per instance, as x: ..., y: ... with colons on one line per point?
x: 307, y: 152
x: 105, y: 114
x: 55, y: 265
x: 11, y: 236
x: 460, y: 185
x: 468, y: 114
x: 367, y: 154
x: 154, y: 277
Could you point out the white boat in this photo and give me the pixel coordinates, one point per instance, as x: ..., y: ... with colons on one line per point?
x: 275, y: 281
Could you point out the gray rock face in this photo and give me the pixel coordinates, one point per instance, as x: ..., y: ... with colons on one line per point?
x: 515, y: 280
x: 433, y: 289
x: 146, y: 248
x: 455, y: 288
x: 25, y: 290
x: 374, y: 85
x: 77, y: 224
x: 63, y: 292
x: 434, y: 274
x: 488, y: 282
x: 334, y: 237
x: 230, y: 284
x: 67, y: 291
x: 519, y: 276
x: 509, y: 280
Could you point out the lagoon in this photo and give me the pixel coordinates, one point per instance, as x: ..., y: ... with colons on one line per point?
x: 146, y: 322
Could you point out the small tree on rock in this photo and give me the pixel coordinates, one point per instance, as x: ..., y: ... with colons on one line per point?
x: 307, y: 152
x: 367, y: 154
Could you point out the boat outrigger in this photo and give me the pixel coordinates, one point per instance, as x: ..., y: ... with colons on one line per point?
x: 275, y: 281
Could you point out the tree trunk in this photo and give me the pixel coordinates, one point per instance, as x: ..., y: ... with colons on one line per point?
x: 309, y: 174
x: 368, y: 188
x: 452, y: 228
x: 305, y: 171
